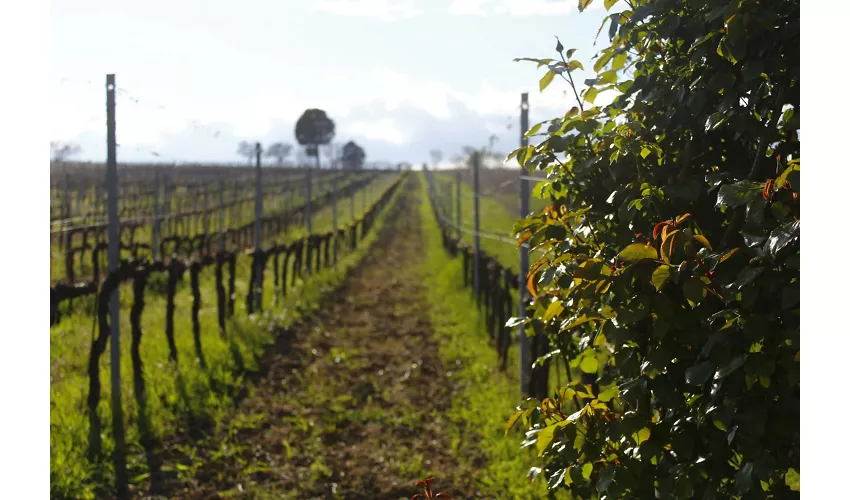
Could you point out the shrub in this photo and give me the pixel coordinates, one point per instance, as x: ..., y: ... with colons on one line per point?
x: 671, y: 274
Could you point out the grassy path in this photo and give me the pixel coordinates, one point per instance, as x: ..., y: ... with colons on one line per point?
x: 391, y: 381
x: 354, y: 401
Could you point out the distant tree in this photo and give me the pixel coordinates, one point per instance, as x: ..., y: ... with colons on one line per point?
x: 489, y: 158
x: 436, y: 157
x: 60, y: 151
x: 280, y: 151
x: 247, y: 150
x: 352, y: 156
x: 314, y: 129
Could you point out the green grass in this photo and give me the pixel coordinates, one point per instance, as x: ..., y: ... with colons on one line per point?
x: 487, y: 397
x: 494, y: 218
x: 174, y: 392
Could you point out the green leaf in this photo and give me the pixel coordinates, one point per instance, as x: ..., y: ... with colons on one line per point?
x: 780, y: 181
x: 637, y: 251
x: 607, y: 54
x: 512, y: 421
x: 737, y: 194
x: 661, y: 275
x: 574, y: 65
x: 606, y: 477
x: 547, y: 79
x: 782, y: 236
x: 570, y: 53
x: 554, y: 309
x: 583, y: 4
x: 609, y: 3
x: 587, y: 470
x: 744, y: 479
x: 609, y: 394
x: 608, y: 77
x: 584, y: 318
x: 533, y: 130
x: 589, y: 364
x: 619, y: 61
x: 645, y: 152
x: 699, y: 373
x: 730, y: 367
x: 694, y: 290
x: 641, y: 436
x: 792, y: 479
x: 545, y: 437
x: 590, y: 94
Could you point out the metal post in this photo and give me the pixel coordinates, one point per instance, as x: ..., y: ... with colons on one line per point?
x: 476, y: 163
x: 457, y: 202
x: 258, y: 226
x: 155, y: 231
x: 114, y: 254
x: 206, y: 215
x: 524, y: 188
x: 449, y: 197
x: 351, y: 202
x: 334, y: 184
x: 166, y: 206
x: 221, y: 215
x: 67, y: 210
x: 309, y: 206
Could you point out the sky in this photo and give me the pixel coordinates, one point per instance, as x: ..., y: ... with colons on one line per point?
x: 398, y: 77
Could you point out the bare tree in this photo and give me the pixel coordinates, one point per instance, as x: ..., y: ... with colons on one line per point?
x: 489, y: 158
x: 60, y: 151
x: 280, y: 151
x: 436, y: 157
x: 247, y: 150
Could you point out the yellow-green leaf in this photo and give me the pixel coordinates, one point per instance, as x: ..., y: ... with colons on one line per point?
x: 584, y: 318
x: 583, y: 4
x: 554, y: 309
x: 668, y: 244
x: 512, y: 421
x: 609, y: 3
x: 641, y: 435
x: 587, y: 470
x: 546, y: 436
x: 619, y: 61
x: 637, y: 251
x: 694, y: 290
x: 589, y: 364
x: 547, y: 79
x: 660, y: 276
x: 645, y: 152
x: 590, y: 95
x: 702, y: 239
x: 780, y: 181
x: 609, y: 394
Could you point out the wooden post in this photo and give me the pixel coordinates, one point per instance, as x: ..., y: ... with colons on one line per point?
x: 258, y: 226
x: 524, y: 188
x: 114, y: 254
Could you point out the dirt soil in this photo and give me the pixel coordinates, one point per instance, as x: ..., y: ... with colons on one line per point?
x: 352, y: 404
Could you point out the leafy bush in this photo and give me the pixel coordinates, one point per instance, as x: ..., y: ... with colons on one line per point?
x: 671, y: 274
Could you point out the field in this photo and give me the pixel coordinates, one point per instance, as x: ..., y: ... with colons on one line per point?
x: 256, y: 406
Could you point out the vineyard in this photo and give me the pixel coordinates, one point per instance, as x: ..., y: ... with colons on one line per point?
x: 618, y: 318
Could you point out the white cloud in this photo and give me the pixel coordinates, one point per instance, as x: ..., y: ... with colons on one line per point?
x: 383, y: 129
x: 516, y: 8
x: 469, y: 7
x: 384, y: 10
